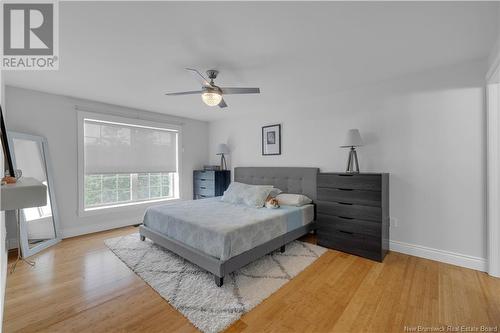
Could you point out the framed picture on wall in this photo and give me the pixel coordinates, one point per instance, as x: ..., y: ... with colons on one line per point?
x: 271, y: 140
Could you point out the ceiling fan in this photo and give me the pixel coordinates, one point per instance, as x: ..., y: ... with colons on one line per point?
x: 210, y: 93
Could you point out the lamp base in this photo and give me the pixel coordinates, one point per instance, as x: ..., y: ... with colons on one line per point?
x: 223, y: 164
x: 352, y: 162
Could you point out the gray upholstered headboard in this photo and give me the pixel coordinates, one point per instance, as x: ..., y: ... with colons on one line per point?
x: 289, y: 180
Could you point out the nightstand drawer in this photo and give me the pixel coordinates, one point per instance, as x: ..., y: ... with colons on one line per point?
x: 344, y: 209
x: 200, y: 196
x: 370, y: 198
x: 204, y: 183
x: 331, y: 224
x: 350, y: 181
x: 206, y: 192
x: 204, y: 175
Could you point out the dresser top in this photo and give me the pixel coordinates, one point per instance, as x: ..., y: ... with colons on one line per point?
x: 355, y: 173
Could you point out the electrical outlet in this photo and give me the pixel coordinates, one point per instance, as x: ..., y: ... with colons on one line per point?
x: 394, y: 222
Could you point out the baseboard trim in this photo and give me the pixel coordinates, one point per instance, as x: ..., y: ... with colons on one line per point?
x: 92, y: 228
x: 453, y: 258
x: 11, y: 243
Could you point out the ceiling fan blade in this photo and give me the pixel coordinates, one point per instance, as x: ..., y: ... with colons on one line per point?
x: 222, y: 104
x: 227, y: 91
x: 204, y: 82
x: 184, y: 93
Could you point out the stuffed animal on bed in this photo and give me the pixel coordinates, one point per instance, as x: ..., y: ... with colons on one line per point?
x: 272, y: 203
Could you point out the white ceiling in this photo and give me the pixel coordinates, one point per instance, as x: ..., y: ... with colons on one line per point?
x: 130, y: 53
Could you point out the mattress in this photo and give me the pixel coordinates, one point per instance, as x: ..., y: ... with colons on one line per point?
x: 224, y: 230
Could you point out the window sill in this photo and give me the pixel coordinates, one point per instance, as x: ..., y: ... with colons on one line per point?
x: 124, y: 207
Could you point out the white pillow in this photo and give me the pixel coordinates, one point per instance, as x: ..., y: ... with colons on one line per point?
x: 274, y: 192
x: 234, y: 193
x: 255, y: 195
x: 250, y: 195
x: 287, y: 199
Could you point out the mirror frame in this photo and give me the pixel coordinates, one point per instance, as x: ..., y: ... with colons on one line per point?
x: 44, y: 151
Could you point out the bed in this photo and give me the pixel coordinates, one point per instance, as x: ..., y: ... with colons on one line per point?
x: 221, y: 237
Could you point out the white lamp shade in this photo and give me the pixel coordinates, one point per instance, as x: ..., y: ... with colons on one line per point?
x: 222, y: 148
x: 353, y: 139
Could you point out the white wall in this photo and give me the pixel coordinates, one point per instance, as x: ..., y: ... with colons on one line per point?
x: 494, y: 57
x: 54, y: 117
x: 493, y: 179
x: 426, y: 129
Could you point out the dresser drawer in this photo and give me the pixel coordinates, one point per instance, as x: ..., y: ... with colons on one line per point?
x: 204, y: 183
x: 204, y: 175
x: 328, y: 224
x: 350, y: 181
x: 366, y: 246
x: 370, y: 198
x: 350, y: 210
x: 201, y: 196
x: 206, y: 192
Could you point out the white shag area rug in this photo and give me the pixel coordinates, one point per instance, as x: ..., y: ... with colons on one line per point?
x: 193, y: 292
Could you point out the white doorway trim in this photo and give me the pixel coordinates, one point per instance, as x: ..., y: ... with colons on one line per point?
x: 493, y: 170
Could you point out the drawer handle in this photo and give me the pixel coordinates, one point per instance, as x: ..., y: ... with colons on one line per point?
x: 346, y: 218
x: 345, y: 203
x: 345, y: 175
x: 203, y: 187
x: 202, y: 179
x: 346, y: 232
x: 346, y: 189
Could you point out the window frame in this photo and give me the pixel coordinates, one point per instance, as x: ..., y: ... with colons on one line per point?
x: 120, y: 207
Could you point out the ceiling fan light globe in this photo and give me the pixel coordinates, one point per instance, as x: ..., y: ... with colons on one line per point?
x: 211, y: 98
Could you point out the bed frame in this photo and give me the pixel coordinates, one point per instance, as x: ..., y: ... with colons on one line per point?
x: 289, y: 180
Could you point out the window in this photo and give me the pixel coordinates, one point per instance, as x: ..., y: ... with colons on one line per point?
x: 126, y: 161
x: 105, y: 189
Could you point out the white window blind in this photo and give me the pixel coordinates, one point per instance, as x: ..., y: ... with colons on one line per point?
x: 111, y: 147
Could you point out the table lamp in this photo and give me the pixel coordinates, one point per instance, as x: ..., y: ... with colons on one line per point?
x: 352, y: 140
x: 222, y: 149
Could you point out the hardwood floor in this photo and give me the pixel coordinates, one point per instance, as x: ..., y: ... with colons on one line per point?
x: 80, y: 286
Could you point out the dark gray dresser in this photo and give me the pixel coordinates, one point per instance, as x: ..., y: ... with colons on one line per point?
x: 353, y: 213
x: 208, y: 183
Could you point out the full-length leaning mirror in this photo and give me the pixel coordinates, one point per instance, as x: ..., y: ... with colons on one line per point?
x: 39, y: 226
